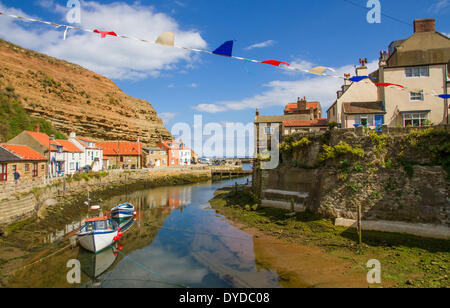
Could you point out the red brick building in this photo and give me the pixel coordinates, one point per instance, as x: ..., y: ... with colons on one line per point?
x: 122, y: 155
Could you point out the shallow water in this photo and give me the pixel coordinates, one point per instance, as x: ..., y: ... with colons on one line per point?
x: 176, y: 241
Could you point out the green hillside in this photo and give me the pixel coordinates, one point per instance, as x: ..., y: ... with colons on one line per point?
x: 14, y: 119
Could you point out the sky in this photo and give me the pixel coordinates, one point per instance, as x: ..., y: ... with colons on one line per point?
x: 181, y: 84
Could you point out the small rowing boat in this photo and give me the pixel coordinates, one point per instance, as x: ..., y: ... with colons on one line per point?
x: 123, y: 211
x: 98, y: 233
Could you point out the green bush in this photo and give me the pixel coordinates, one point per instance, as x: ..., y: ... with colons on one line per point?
x: 342, y: 149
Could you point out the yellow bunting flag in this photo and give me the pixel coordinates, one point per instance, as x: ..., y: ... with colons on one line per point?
x: 166, y: 39
x: 318, y: 70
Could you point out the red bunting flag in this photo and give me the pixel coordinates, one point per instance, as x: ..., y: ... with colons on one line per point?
x: 105, y: 33
x: 386, y: 84
x: 275, y: 63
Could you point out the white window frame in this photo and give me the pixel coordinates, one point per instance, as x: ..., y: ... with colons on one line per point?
x: 416, y: 96
x: 421, y: 117
x: 417, y: 72
x: 369, y: 117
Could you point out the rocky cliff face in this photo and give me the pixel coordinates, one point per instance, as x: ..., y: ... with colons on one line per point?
x: 71, y: 97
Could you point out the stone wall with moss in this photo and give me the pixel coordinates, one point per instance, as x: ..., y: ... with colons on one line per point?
x: 401, y: 175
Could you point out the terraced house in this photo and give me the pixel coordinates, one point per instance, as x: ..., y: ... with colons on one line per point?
x: 122, y: 155
x: 21, y: 164
x: 418, y: 69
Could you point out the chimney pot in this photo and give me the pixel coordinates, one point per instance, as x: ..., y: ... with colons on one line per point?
x: 257, y: 112
x: 36, y: 128
x: 424, y: 25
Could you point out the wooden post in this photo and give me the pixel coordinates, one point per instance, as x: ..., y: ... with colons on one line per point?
x: 235, y: 188
x: 359, y: 228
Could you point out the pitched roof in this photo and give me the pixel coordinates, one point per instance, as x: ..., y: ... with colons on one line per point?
x: 312, y: 123
x: 24, y: 152
x: 43, y: 139
x: 69, y: 146
x: 294, y: 106
x: 121, y: 148
x: 364, y: 108
x: 8, y: 156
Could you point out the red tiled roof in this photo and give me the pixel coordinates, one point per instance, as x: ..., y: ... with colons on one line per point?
x: 24, y: 152
x: 43, y: 139
x: 121, y: 148
x: 312, y: 123
x: 309, y: 105
x: 69, y: 146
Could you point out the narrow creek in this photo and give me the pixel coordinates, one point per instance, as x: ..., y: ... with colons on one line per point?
x: 178, y: 240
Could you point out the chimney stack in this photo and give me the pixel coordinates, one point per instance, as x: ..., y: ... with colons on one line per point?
x: 36, y: 128
x: 257, y: 112
x: 301, y: 103
x: 424, y: 25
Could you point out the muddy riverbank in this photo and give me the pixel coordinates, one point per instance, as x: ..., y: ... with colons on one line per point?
x: 323, y: 255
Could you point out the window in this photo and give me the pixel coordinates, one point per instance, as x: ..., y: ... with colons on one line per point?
x: 414, y: 119
x: 35, y: 170
x: 268, y: 130
x: 72, y: 166
x: 27, y: 167
x: 3, y: 172
x: 416, y: 96
x: 364, y: 120
x: 418, y: 72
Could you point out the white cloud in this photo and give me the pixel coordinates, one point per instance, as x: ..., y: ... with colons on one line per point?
x: 112, y: 57
x: 166, y: 117
x: 261, y: 45
x: 193, y: 85
x: 439, y: 6
x: 279, y: 93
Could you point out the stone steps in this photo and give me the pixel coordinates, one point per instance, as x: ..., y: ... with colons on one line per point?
x: 282, y: 199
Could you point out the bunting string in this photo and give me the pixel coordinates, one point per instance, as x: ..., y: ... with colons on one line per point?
x: 226, y: 50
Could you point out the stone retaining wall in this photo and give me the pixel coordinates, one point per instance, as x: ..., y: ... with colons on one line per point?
x: 21, y: 205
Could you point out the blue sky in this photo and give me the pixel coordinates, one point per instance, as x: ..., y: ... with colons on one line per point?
x: 331, y: 33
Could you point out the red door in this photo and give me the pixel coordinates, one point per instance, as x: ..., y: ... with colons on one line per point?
x: 3, y: 172
x: 35, y: 170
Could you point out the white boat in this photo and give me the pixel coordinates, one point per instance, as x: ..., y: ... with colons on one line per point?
x: 98, y: 233
x: 123, y: 211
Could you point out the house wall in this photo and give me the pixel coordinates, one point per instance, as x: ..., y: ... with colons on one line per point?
x: 363, y: 91
x: 124, y: 162
x: 25, y: 170
x: 154, y: 157
x: 396, y: 100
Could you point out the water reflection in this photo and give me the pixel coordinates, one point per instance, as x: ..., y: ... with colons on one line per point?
x: 177, y: 240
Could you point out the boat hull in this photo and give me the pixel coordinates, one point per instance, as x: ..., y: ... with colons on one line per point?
x: 97, y: 241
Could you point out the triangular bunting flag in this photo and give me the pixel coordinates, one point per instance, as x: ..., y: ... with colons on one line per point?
x: 105, y: 33
x: 389, y: 84
x: 226, y: 49
x: 318, y: 70
x: 359, y: 78
x: 444, y: 96
x: 275, y: 63
x: 166, y: 39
